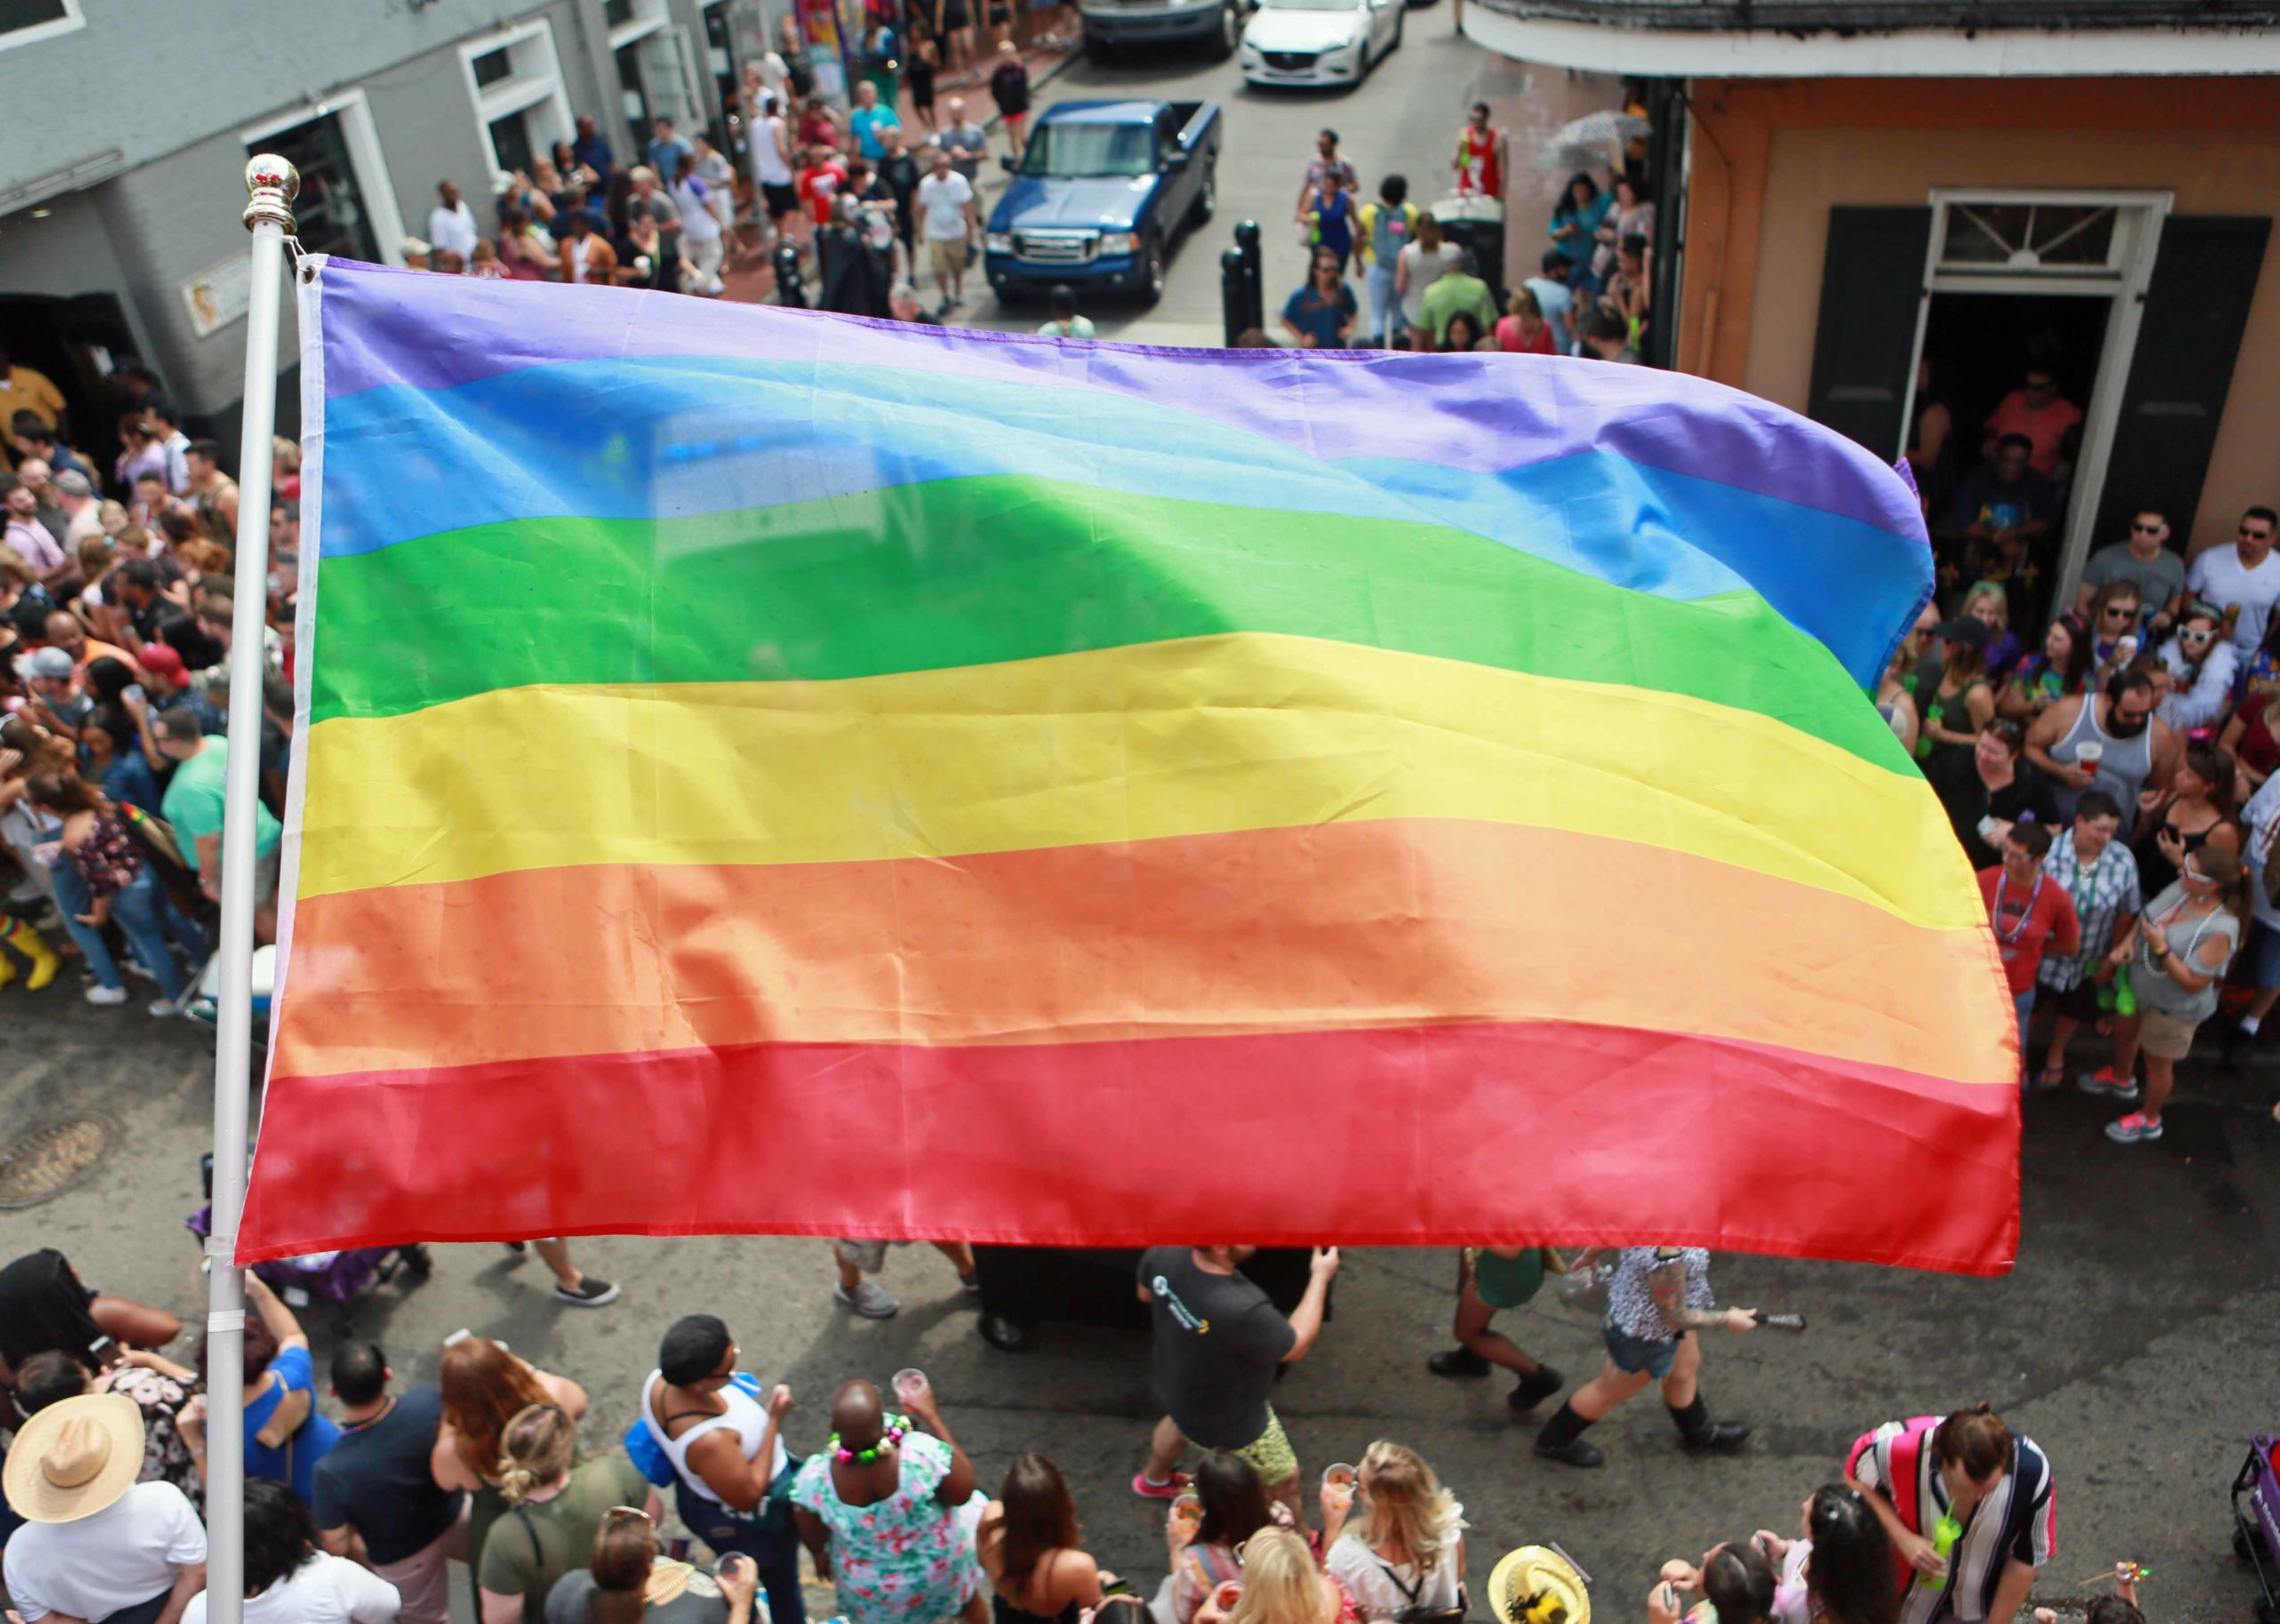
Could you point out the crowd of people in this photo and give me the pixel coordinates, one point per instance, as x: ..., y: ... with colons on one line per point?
x: 2106, y: 769
x: 360, y: 1499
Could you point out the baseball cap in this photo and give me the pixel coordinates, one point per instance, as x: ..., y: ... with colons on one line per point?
x: 160, y: 660
x: 1964, y: 630
x: 52, y: 663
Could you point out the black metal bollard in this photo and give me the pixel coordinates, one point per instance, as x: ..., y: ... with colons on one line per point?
x: 1254, y: 280
x: 788, y: 287
x: 1234, y: 296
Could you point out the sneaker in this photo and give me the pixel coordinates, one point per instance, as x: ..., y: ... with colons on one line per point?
x: 133, y: 966
x: 518, y: 1247
x: 2134, y: 1129
x: 869, y: 1299
x: 106, y: 995
x: 1148, y: 1488
x: 971, y: 1284
x: 589, y: 1293
x: 164, y: 1009
x: 202, y: 1011
x: 2102, y: 1081
x: 1457, y: 1361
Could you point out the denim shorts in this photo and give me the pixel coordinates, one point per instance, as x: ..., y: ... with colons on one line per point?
x: 2268, y: 955
x: 1637, y: 1354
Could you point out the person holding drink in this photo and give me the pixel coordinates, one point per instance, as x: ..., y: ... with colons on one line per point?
x: 1404, y: 1553
x: 1967, y: 1505
x: 1280, y: 1585
x: 2129, y: 749
x: 1230, y: 1505
x: 1032, y: 1550
x: 726, y: 1445
x: 1218, y: 1343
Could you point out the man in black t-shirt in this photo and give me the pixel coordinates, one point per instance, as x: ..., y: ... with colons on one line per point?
x: 376, y: 1500
x: 1219, y: 1342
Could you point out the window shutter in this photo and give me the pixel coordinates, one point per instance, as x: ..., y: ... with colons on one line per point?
x: 1872, y: 288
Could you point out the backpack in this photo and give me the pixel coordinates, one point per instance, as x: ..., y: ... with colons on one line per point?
x: 1392, y: 229
x: 1412, y: 1611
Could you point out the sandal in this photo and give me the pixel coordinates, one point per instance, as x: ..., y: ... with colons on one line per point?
x: 2051, y: 1077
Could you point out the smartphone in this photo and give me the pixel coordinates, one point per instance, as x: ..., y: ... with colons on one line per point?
x: 101, y: 1349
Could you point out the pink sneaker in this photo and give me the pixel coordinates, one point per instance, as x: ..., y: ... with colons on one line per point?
x: 1148, y: 1488
x: 2104, y: 1083
x: 2134, y: 1129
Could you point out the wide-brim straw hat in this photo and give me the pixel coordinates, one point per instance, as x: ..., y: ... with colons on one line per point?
x: 74, y: 1457
x: 1537, y: 1586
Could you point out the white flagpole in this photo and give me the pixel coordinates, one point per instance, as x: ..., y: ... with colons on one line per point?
x: 273, y: 184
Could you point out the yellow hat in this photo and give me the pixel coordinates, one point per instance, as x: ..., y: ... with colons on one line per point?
x: 1537, y: 1586
x: 74, y: 1457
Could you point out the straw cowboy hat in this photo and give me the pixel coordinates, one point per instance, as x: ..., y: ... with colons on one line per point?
x: 1537, y: 1586
x: 74, y: 1457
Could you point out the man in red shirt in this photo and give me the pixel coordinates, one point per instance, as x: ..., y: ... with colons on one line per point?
x: 819, y: 180
x: 2040, y: 412
x: 1481, y: 153
x: 2030, y: 914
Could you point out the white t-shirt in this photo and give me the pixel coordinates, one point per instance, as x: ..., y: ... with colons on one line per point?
x: 1382, y: 1591
x: 325, y: 1589
x: 120, y: 1557
x: 2216, y: 578
x: 943, y: 198
x: 452, y: 229
x: 699, y: 223
x: 769, y: 167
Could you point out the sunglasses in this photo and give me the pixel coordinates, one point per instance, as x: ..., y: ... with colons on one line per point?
x: 2146, y: 530
x: 2255, y: 535
x: 631, y: 1511
x: 2119, y: 612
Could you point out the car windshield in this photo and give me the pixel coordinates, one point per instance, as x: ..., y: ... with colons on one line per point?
x: 1086, y: 151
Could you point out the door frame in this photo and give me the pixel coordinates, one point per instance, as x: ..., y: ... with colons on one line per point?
x: 2123, y: 286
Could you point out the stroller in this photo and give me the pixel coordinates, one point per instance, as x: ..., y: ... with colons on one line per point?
x: 2256, y: 1522
x: 339, y: 1278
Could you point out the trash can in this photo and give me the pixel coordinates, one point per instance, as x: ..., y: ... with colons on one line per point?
x: 1477, y: 224
x: 1022, y: 1288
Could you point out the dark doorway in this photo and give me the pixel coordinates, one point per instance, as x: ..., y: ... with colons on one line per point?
x: 82, y: 344
x: 1980, y: 344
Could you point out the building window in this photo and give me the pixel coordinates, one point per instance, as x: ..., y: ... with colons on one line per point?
x: 617, y: 12
x: 2030, y: 237
x: 330, y: 215
x: 515, y: 81
x: 492, y: 67
x: 22, y: 22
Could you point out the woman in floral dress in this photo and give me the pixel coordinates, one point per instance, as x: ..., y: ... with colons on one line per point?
x: 883, y: 1509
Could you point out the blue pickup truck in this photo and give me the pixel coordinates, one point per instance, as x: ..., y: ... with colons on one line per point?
x: 1101, y: 190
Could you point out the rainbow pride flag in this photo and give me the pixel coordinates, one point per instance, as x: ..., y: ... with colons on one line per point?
x: 764, y: 772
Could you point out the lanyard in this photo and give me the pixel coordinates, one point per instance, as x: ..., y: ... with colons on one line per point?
x: 2001, y: 883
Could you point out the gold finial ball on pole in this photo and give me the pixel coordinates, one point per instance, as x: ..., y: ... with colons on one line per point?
x: 274, y: 184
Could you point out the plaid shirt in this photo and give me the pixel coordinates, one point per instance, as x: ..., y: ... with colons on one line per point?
x: 2104, y: 895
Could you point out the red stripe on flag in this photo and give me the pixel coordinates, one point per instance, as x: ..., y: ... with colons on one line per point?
x: 1451, y: 1135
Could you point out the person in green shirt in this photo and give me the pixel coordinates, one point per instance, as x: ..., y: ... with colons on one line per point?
x: 193, y: 804
x: 1454, y: 290
x: 555, y: 1502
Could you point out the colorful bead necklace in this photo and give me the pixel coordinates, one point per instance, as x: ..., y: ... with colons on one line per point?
x: 897, y: 1428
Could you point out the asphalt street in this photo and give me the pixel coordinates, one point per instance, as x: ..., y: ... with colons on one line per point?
x: 2135, y: 1339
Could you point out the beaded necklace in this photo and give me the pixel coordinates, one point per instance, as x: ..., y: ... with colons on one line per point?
x: 896, y: 1429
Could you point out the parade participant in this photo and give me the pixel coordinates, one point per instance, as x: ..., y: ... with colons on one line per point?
x: 1233, y: 1506
x: 97, y: 1548
x: 859, y: 1258
x: 2133, y: 749
x: 2179, y: 949
x: 727, y: 1449
x: 1403, y: 1556
x: 2031, y: 913
x: 1735, y: 1583
x: 1489, y: 1278
x: 1483, y: 155
x: 1215, y: 1388
x: 2100, y: 876
x: 1658, y: 1298
x: 627, y: 1581
x: 1032, y: 1550
x: 1967, y: 1505
x: 2196, y: 811
x: 878, y: 1509
x: 289, y: 1581
x: 483, y: 1388
x: 1282, y: 1585
x: 556, y: 1504
x: 1839, y: 1568
x: 375, y: 1500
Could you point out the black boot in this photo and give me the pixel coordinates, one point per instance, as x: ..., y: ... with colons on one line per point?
x: 1534, y: 1389
x: 1699, y: 1435
x: 1562, y: 1440
x: 1457, y: 1361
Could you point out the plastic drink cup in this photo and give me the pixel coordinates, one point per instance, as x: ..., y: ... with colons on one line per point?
x: 1187, y: 1513
x: 1227, y: 1595
x: 910, y: 1385
x: 677, y: 1548
x: 1945, y: 1532
x: 2090, y: 755
x: 1340, y: 1479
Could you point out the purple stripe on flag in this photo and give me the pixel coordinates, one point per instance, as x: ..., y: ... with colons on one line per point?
x: 1462, y: 411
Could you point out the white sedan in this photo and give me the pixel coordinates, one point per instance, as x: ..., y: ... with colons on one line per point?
x: 1319, y: 42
